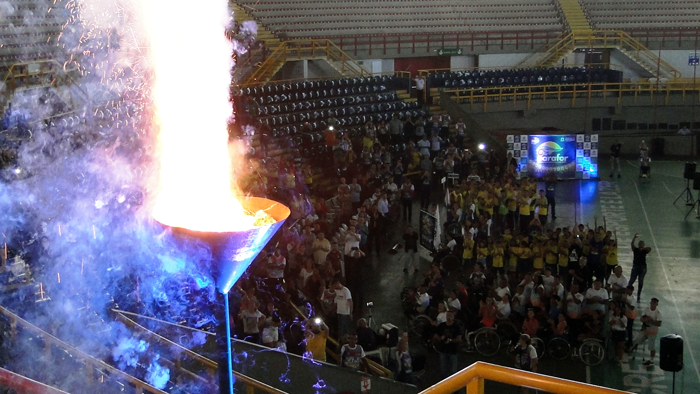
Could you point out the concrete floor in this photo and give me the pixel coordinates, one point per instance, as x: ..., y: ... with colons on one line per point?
x: 631, y: 205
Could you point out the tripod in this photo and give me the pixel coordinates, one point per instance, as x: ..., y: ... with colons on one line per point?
x: 370, y: 320
x: 686, y: 194
x: 695, y: 207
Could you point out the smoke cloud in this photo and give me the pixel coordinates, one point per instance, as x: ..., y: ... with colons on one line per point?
x: 76, y: 200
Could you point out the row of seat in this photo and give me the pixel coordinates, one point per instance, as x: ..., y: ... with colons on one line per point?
x: 301, y: 105
x: 320, y: 94
x: 390, y: 82
x: 621, y: 15
x: 350, y: 115
x: 397, y: 4
x: 503, y: 78
x: 322, y: 12
x: 423, y: 29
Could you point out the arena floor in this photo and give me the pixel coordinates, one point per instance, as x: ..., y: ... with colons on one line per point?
x: 631, y: 205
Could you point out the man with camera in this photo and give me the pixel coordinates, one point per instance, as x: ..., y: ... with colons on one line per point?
x: 651, y: 321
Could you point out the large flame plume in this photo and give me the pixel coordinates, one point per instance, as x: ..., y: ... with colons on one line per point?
x: 191, y: 59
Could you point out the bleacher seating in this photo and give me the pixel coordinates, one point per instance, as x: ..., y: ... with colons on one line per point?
x: 642, y: 14
x: 295, y: 19
x: 294, y: 114
x: 30, y: 30
x: 480, y: 79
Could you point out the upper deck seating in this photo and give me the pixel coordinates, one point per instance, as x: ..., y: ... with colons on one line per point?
x: 312, y: 19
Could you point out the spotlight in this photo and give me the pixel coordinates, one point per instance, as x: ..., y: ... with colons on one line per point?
x: 17, y: 170
x: 482, y: 146
x: 318, y: 321
x: 331, y: 128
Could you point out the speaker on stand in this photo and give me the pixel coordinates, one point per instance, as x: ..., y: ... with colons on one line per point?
x: 688, y: 174
x: 671, y: 360
x: 696, y: 204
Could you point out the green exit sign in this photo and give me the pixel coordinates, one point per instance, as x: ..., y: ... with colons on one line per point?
x: 449, y: 51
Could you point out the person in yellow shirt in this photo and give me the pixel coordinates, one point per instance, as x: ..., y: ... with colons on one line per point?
x: 482, y: 252
x: 468, y: 252
x: 316, y: 336
x: 524, y: 259
x: 524, y: 208
x: 610, y: 255
x: 497, y: 252
x: 513, y: 255
x: 538, y: 252
x: 542, y: 204
x: 551, y: 255
x: 564, y: 264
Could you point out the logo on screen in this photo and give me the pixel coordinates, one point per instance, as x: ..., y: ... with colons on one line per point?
x: 550, y: 152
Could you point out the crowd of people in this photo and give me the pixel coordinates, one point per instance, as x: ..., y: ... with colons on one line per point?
x: 516, y: 261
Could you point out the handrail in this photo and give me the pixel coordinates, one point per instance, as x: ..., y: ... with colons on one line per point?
x: 545, y: 51
x: 472, y: 378
x: 90, y: 362
x: 608, y: 91
x: 374, y: 366
x: 306, y: 49
x: 59, y: 68
x: 23, y: 384
x: 429, y: 71
x: 211, y: 365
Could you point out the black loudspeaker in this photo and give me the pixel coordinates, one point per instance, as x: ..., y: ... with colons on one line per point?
x: 696, y: 181
x: 689, y: 171
x: 671, y: 359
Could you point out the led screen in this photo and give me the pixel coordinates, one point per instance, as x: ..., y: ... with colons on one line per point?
x: 568, y: 156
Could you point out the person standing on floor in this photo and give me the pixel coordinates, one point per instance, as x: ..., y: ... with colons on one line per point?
x: 651, y: 321
x: 550, y: 186
x: 407, y: 190
x: 343, y: 307
x: 615, y: 149
x: 639, y: 264
x: 410, y: 241
x: 448, y: 337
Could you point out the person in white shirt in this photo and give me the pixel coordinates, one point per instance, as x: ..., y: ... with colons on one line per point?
x: 618, y: 325
x: 424, y: 145
x: 617, y: 283
x: 503, y: 307
x: 574, y: 299
x: 651, y: 319
x: 453, y: 302
x: 558, y: 287
x: 352, y: 240
x: 547, y: 280
x: 502, y: 288
x: 343, y: 307
x: 630, y: 302
x: 597, y: 297
x: 321, y: 247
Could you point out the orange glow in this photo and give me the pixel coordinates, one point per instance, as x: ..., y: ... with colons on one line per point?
x: 191, y: 59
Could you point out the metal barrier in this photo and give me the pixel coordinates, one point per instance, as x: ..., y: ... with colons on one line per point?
x: 181, y: 354
x: 613, y: 92
x: 91, y: 364
x: 472, y: 378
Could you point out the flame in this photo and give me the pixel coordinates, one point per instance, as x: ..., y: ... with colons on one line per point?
x: 191, y: 59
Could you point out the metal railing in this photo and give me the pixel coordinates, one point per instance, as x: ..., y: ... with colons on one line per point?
x: 179, y: 354
x: 472, y: 378
x: 306, y: 49
x: 425, y: 73
x: 91, y: 364
x: 613, y: 92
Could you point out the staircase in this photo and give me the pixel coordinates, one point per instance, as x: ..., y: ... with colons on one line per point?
x: 575, y: 17
x: 264, y: 35
x: 550, y: 54
x: 305, y: 50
